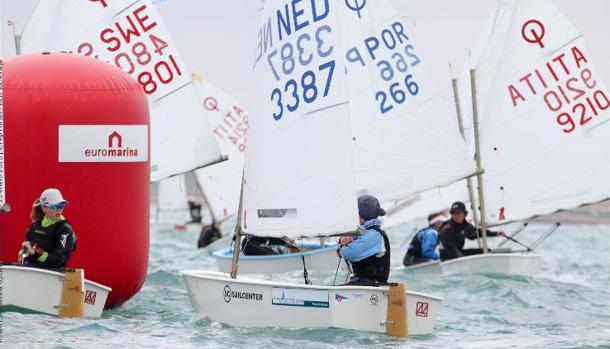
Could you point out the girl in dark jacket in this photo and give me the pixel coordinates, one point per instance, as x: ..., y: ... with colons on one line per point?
x: 50, y: 239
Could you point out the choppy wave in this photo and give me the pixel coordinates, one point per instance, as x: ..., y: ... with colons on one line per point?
x: 566, y: 306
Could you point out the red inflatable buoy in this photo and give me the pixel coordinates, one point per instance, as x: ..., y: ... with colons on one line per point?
x: 82, y: 126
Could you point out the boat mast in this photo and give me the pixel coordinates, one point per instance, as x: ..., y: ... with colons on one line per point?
x: 473, y: 205
x: 16, y: 37
x: 475, y: 117
x: 237, y: 236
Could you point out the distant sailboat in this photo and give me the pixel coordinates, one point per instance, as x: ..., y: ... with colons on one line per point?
x: 347, y: 108
x: 542, y: 117
x: 229, y: 120
x: 131, y: 35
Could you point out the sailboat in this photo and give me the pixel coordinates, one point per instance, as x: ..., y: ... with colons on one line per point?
x: 131, y: 35
x: 220, y: 185
x: 35, y: 290
x: 542, y: 117
x: 348, y: 108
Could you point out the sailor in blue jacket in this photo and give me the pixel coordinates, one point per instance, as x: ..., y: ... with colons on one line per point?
x: 423, y: 246
x: 369, y: 253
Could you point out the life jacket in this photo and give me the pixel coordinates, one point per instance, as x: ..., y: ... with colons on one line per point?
x: 415, y: 245
x: 374, y: 267
x: 46, y: 237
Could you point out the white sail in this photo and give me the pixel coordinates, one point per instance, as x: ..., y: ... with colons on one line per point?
x: 221, y: 183
x: 543, y: 114
x: 131, y: 35
x: 298, y: 176
x: 405, y: 141
x: 172, y: 194
x: 422, y: 204
x: 401, y: 139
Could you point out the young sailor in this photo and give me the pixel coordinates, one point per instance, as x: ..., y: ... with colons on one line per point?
x: 261, y: 245
x: 454, y: 232
x: 208, y: 234
x: 423, y: 246
x: 50, y: 240
x: 369, y: 253
x: 194, y: 211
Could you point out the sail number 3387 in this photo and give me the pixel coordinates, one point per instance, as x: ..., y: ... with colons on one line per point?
x: 305, y: 90
x: 312, y: 83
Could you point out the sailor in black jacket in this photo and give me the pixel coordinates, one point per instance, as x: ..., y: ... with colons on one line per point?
x: 455, y: 231
x: 50, y: 239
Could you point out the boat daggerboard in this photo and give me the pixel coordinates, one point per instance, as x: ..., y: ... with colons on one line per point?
x: 396, y: 318
x: 404, y: 139
x: 73, y: 294
x: 221, y: 183
x: 298, y: 178
x: 543, y: 114
x: 131, y: 35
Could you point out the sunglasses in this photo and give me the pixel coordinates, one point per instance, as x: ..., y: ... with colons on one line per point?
x: 58, y: 206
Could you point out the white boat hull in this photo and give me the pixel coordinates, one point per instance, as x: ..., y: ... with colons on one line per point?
x: 433, y: 267
x: 39, y: 290
x: 525, y: 264
x: 247, y: 302
x: 316, y: 258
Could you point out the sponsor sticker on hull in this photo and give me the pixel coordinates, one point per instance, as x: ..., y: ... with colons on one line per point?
x: 229, y: 294
x: 299, y: 298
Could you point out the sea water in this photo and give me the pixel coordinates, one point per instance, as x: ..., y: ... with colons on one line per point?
x: 567, y: 305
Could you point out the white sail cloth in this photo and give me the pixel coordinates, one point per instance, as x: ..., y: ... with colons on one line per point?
x: 131, y: 35
x: 543, y: 114
x: 346, y: 106
x: 221, y: 183
x: 173, y: 194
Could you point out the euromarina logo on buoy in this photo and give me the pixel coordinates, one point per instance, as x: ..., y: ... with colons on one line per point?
x: 103, y: 143
x: 229, y: 294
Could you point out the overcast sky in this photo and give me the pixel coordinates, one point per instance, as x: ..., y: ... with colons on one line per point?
x: 216, y: 37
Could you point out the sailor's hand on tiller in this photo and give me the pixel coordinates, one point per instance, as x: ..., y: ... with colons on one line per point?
x: 29, y: 247
x: 343, y: 241
x: 37, y: 249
